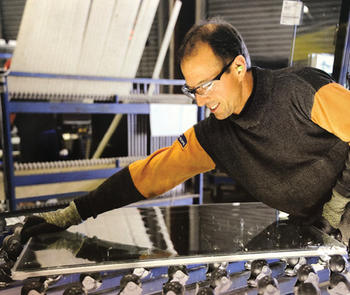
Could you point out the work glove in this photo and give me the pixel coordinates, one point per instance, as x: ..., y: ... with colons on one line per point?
x: 336, y: 215
x: 50, y: 222
x: 334, y: 209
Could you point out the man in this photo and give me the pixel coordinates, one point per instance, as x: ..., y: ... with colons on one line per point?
x: 283, y: 135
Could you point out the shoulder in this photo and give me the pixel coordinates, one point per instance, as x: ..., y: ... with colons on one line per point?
x: 207, y: 126
x: 293, y: 89
x: 208, y: 131
x: 313, y: 77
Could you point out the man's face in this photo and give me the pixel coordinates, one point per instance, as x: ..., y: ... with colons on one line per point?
x: 224, y: 96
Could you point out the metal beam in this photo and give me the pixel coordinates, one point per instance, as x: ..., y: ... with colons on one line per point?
x: 6, y: 144
x: 98, y: 78
x: 342, y: 47
x: 23, y: 180
x: 80, y: 108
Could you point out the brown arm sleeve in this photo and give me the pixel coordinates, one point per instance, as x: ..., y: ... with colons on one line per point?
x: 331, y: 110
x: 170, y: 166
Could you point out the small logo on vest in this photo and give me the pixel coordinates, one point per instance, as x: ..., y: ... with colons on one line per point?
x: 182, y: 140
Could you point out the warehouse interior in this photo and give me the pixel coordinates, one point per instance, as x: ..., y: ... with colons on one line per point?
x: 90, y: 87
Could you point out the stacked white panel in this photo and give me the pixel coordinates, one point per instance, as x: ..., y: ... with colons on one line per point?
x: 104, y: 38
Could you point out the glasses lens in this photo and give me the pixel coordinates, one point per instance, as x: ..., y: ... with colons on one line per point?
x: 205, y: 88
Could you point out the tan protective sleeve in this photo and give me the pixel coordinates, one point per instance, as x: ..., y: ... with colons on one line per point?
x: 170, y: 166
x: 331, y: 110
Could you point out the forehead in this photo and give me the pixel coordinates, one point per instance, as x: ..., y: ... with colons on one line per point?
x: 201, y: 66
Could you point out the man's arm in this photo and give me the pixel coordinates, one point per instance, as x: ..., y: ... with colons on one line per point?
x: 156, y: 174
x: 150, y: 177
x: 331, y: 111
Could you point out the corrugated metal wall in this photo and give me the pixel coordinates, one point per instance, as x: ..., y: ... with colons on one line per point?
x: 150, y: 53
x: 154, y: 42
x: 259, y: 23
x: 257, y: 20
x: 11, y: 14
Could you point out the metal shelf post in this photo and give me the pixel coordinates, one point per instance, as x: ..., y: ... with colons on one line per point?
x: 6, y: 143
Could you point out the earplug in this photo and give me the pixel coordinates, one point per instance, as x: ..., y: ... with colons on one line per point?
x: 239, y: 69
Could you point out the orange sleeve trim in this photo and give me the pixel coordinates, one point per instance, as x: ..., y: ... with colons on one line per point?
x: 331, y: 110
x: 170, y: 166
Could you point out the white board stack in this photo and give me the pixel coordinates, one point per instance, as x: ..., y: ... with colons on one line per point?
x: 104, y: 38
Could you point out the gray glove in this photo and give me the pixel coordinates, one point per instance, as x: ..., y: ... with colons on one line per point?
x: 63, y: 218
x: 334, y: 209
x: 54, y: 221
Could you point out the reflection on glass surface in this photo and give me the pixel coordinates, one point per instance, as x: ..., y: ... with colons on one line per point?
x: 131, y: 235
x: 315, y: 37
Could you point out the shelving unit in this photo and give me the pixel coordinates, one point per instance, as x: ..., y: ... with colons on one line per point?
x: 11, y: 181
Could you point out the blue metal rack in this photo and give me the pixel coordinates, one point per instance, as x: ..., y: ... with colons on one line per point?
x: 7, y: 106
x: 5, y: 55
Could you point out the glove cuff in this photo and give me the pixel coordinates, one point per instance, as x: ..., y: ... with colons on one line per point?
x: 63, y: 218
x: 334, y: 209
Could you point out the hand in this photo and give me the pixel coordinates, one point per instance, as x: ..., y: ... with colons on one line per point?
x: 35, y: 225
x: 323, y: 225
x: 49, y: 222
x: 334, y: 209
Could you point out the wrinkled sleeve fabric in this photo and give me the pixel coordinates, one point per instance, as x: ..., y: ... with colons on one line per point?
x: 158, y: 173
x: 170, y: 166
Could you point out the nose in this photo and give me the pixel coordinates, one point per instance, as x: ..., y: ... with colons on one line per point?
x: 201, y: 100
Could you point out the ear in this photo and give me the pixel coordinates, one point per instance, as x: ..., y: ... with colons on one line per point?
x: 240, y: 66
